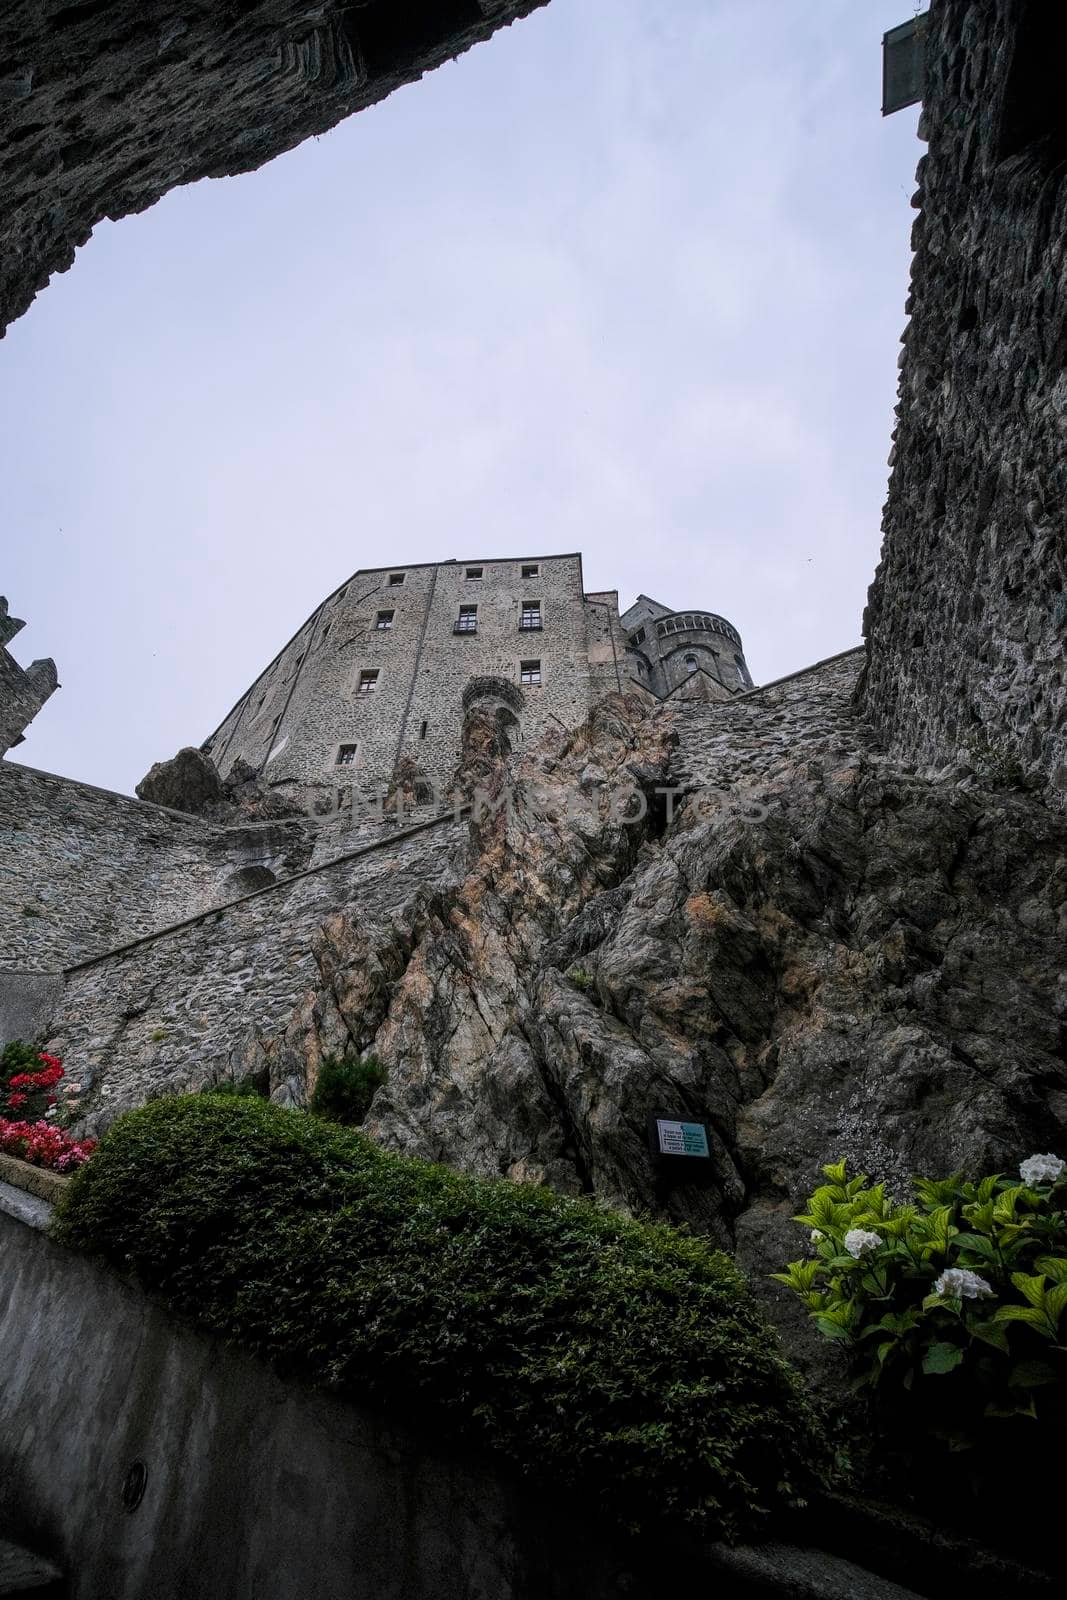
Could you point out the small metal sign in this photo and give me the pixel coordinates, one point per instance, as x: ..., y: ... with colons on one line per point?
x: 903, y: 64
x: 680, y: 1150
x: 681, y: 1138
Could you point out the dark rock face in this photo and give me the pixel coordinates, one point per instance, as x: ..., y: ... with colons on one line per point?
x: 821, y: 955
x: 967, y: 620
x: 104, y: 107
x: 869, y: 964
x: 189, y: 782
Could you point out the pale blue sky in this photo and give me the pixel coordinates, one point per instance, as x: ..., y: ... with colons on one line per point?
x: 628, y: 279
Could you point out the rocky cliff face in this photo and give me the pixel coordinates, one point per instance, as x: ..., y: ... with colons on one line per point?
x: 818, y: 952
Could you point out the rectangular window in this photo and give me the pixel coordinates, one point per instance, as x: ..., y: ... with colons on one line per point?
x: 529, y: 672
x: 530, y: 572
x: 475, y: 572
x: 368, y: 681
x: 639, y: 636
x: 467, y: 621
x: 346, y: 755
x: 422, y: 729
x: 384, y: 620
x: 531, y: 614
x: 395, y: 580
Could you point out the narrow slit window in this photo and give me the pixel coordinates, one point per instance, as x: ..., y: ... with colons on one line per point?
x: 531, y: 614
x: 422, y: 729
x: 368, y: 681
x: 529, y: 672
x: 384, y: 621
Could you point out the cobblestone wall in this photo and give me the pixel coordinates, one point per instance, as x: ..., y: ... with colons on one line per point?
x: 213, y: 998
x: 23, y: 690
x: 967, y: 620
x: 764, y: 738
x: 84, y: 870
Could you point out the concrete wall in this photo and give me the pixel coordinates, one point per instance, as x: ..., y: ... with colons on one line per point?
x: 84, y: 870
x: 967, y: 620
x: 307, y: 703
x: 28, y: 1003
x: 255, y: 1487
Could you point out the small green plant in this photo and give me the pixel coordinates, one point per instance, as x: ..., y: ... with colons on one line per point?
x: 345, y: 1087
x: 957, y: 1298
x: 580, y: 978
x: 157, y: 1035
x: 241, y: 1088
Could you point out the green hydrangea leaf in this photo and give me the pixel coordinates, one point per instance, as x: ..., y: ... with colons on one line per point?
x: 942, y: 1358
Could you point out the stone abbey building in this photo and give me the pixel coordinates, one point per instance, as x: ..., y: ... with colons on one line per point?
x: 380, y: 677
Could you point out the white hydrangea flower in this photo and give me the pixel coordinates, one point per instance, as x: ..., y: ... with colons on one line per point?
x: 960, y: 1284
x: 858, y: 1241
x: 1040, y: 1169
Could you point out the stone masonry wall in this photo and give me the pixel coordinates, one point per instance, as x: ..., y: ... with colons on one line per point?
x: 84, y: 870
x: 307, y: 703
x: 767, y: 735
x: 104, y: 107
x: 213, y: 998
x: 967, y: 621
x: 23, y: 690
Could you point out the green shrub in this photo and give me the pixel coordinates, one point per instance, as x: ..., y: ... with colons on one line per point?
x: 18, y: 1057
x: 239, y: 1088
x: 957, y: 1299
x: 345, y: 1088
x: 624, y: 1359
x: 581, y: 979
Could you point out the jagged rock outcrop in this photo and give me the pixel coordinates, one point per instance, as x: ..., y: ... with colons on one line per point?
x: 746, y: 914
x: 190, y: 782
x: 845, y: 959
x: 820, y: 954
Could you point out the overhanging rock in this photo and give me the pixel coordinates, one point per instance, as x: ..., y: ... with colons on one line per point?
x: 107, y: 106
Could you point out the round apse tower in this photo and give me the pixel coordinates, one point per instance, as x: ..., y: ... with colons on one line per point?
x: 669, y: 649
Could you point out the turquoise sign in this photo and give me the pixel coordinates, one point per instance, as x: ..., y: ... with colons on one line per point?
x: 681, y: 1138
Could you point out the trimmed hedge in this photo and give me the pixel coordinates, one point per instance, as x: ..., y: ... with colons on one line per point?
x: 624, y: 1359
